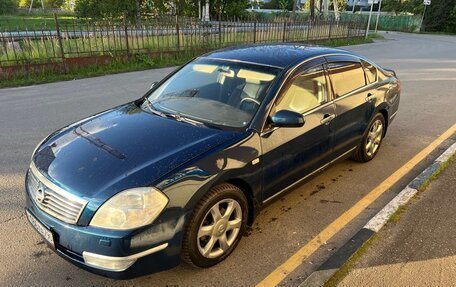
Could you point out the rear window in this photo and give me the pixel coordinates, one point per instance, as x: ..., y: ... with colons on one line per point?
x: 346, y: 77
x: 371, y: 72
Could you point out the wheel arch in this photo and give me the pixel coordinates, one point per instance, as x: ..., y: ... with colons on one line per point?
x: 383, y: 109
x: 245, y: 187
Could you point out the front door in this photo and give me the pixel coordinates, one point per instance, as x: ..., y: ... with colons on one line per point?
x: 289, y: 154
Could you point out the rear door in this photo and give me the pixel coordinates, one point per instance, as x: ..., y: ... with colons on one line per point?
x: 354, y: 102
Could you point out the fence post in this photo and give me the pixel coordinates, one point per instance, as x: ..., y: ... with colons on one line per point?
x: 284, y: 30
x: 126, y: 34
x: 255, y: 31
x: 177, y: 33
x: 220, y: 29
x: 330, y: 26
x: 59, y: 39
x: 308, y: 29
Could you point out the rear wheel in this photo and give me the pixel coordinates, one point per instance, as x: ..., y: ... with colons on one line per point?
x: 372, y: 140
x: 216, y: 227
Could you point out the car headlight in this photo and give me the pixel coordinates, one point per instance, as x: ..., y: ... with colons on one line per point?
x: 130, y: 208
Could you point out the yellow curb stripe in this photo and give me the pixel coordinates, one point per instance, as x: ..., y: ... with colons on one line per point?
x: 296, y: 259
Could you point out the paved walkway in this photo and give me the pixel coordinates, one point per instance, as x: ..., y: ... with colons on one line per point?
x: 418, y: 250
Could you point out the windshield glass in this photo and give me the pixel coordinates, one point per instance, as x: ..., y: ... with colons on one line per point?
x: 217, y: 92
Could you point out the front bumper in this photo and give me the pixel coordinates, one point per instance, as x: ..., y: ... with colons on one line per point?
x: 115, y: 254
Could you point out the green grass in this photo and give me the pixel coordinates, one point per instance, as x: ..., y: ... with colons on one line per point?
x: 136, y: 63
x: 33, y: 21
x: 436, y: 173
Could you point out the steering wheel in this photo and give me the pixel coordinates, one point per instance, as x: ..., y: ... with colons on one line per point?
x: 250, y: 100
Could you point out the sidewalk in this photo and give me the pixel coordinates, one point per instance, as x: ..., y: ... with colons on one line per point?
x: 419, y: 249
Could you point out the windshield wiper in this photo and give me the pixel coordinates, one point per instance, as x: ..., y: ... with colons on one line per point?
x: 178, y: 117
x: 151, y: 107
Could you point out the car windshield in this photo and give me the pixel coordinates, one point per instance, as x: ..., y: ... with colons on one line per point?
x: 214, y: 92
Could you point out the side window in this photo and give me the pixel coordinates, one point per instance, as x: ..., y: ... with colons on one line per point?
x: 371, y: 72
x: 346, y: 77
x: 306, y: 91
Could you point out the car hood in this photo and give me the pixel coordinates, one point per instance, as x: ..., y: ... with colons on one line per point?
x: 121, y: 148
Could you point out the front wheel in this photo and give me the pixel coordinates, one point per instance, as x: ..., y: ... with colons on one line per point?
x: 372, y: 140
x: 216, y: 227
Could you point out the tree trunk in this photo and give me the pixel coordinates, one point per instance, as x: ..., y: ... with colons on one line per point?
x: 312, y: 9
x: 336, y: 10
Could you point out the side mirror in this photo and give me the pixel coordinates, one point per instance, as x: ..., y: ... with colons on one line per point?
x: 153, y: 85
x: 287, y: 119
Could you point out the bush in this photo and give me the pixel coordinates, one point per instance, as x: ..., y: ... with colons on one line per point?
x: 440, y: 16
x: 7, y: 6
x: 103, y: 9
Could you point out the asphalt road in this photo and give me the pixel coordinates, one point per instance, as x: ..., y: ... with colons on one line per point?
x: 426, y: 65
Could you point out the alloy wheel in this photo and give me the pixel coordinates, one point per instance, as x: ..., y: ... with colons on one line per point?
x: 219, y: 228
x: 374, y: 138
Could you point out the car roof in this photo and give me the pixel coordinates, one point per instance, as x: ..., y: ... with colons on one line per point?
x: 279, y: 55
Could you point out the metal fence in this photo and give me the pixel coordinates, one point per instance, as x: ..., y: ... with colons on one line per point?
x: 404, y: 23
x: 66, y: 42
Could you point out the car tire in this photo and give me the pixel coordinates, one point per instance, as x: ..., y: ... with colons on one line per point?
x: 222, y: 231
x: 372, y: 140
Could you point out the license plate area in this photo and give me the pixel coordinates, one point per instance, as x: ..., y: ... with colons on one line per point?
x: 41, y: 229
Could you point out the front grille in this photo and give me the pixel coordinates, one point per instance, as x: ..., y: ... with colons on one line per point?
x: 52, y: 199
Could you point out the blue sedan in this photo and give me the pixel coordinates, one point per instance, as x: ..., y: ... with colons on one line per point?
x: 180, y: 173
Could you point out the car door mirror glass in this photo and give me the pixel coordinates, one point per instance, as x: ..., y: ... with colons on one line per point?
x: 286, y: 118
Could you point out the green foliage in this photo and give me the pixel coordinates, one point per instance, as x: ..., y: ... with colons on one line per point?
x: 413, y: 6
x: 341, y: 5
x: 403, y: 6
x: 392, y: 6
x: 451, y: 25
x: 37, y: 3
x: 116, y: 8
x: 227, y: 8
x: 108, y: 9
x: 279, y: 4
x: 441, y: 16
x: 7, y: 6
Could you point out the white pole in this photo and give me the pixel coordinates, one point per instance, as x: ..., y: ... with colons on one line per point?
x: 354, y: 5
x: 378, y: 15
x: 206, y: 14
x: 31, y: 4
x: 336, y: 11
x: 369, y: 21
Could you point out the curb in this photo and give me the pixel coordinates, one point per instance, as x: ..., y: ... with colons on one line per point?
x: 332, y: 265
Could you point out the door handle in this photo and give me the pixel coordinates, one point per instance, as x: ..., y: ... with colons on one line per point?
x: 370, y: 97
x: 327, y: 118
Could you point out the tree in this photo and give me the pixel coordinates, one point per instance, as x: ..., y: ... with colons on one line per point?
x: 37, y: 3
x: 392, y: 6
x: 99, y: 9
x: 440, y: 16
x: 279, y: 4
x: 7, y: 6
x: 228, y: 8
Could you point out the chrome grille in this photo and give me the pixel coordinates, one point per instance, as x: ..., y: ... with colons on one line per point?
x: 52, y: 199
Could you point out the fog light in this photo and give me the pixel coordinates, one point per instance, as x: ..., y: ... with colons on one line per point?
x: 116, y: 264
